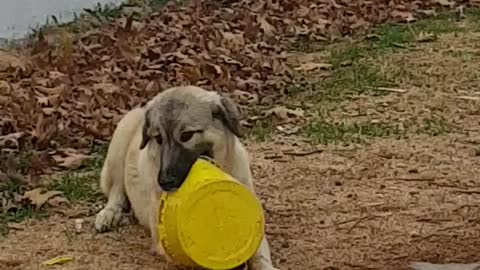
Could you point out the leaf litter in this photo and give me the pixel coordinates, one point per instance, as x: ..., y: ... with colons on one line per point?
x: 67, y: 91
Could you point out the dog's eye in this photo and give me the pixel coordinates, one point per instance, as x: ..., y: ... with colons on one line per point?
x: 158, y: 138
x: 186, y: 136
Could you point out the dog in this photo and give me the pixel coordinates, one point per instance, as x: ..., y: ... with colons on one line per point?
x: 153, y: 148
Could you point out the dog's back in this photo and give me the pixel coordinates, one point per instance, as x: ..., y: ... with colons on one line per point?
x: 113, y: 168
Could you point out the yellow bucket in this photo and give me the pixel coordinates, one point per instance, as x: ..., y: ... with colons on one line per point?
x: 212, y: 221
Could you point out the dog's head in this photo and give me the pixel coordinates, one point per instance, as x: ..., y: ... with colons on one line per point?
x: 183, y: 123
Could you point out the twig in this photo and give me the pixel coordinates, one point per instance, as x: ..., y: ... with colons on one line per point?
x: 273, y: 156
x: 413, y: 179
x: 399, y: 45
x: 339, y: 223
x: 468, y: 98
x: 467, y: 191
x: 390, y: 89
x: 358, y: 222
x: 302, y: 154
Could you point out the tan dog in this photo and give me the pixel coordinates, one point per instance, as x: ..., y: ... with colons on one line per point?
x: 154, y: 147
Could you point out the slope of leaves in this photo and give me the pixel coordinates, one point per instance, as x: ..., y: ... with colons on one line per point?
x: 68, y: 90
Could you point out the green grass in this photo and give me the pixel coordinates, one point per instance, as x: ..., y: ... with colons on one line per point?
x: 324, y: 132
x: 18, y: 215
x: 12, y: 208
x: 82, y: 185
x: 358, y: 78
x: 261, y: 130
x: 333, y: 133
x: 473, y: 14
x: 302, y: 44
x: 98, y: 153
x: 434, y: 126
x: 77, y: 187
x: 393, y: 36
x: 354, y: 67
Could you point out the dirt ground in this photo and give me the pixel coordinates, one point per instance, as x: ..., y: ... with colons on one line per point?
x: 375, y: 205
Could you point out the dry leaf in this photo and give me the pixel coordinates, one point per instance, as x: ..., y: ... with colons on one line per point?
x: 59, y: 97
x: 425, y: 37
x: 285, y: 114
x: 7, y: 60
x: 58, y: 260
x: 446, y: 3
x: 70, y: 158
x: 38, y: 198
x: 267, y: 28
x: 58, y: 201
x: 10, y: 140
x: 402, y: 16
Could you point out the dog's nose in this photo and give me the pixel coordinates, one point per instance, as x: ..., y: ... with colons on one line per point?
x: 168, y: 184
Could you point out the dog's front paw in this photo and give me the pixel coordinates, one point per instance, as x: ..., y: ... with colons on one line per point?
x: 262, y: 266
x: 269, y: 267
x: 107, y: 218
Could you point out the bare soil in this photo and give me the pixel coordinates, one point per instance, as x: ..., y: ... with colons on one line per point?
x: 378, y: 205
x: 368, y: 207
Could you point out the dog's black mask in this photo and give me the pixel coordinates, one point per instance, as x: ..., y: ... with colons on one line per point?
x: 176, y: 164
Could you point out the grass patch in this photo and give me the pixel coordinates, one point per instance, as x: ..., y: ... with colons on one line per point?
x: 12, y: 207
x: 352, y: 75
x: 393, y: 36
x: 328, y: 133
x: 262, y: 129
x: 18, y: 215
x: 82, y: 185
x: 354, y: 70
x: 434, y: 126
x: 473, y: 14
x: 77, y: 187
x: 302, y: 44
x: 98, y: 153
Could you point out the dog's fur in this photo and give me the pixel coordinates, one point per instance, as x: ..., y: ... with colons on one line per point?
x: 153, y: 148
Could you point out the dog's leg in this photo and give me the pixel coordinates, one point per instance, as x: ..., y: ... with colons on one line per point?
x: 262, y: 260
x: 156, y: 246
x: 111, y: 215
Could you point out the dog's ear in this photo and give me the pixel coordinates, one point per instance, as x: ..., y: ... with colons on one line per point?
x: 228, y: 113
x: 145, y: 137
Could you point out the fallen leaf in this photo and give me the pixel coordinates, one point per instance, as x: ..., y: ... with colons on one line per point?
x: 313, y: 66
x: 425, y: 37
x: 402, y: 16
x: 8, y: 60
x: 285, y: 114
x: 10, y: 140
x: 58, y: 201
x: 38, y: 198
x: 288, y: 129
x: 267, y: 28
x: 58, y: 260
x: 107, y: 87
x: 244, y: 97
x: 69, y: 158
x: 446, y: 3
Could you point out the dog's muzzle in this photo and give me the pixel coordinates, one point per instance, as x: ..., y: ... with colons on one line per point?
x: 176, y: 164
